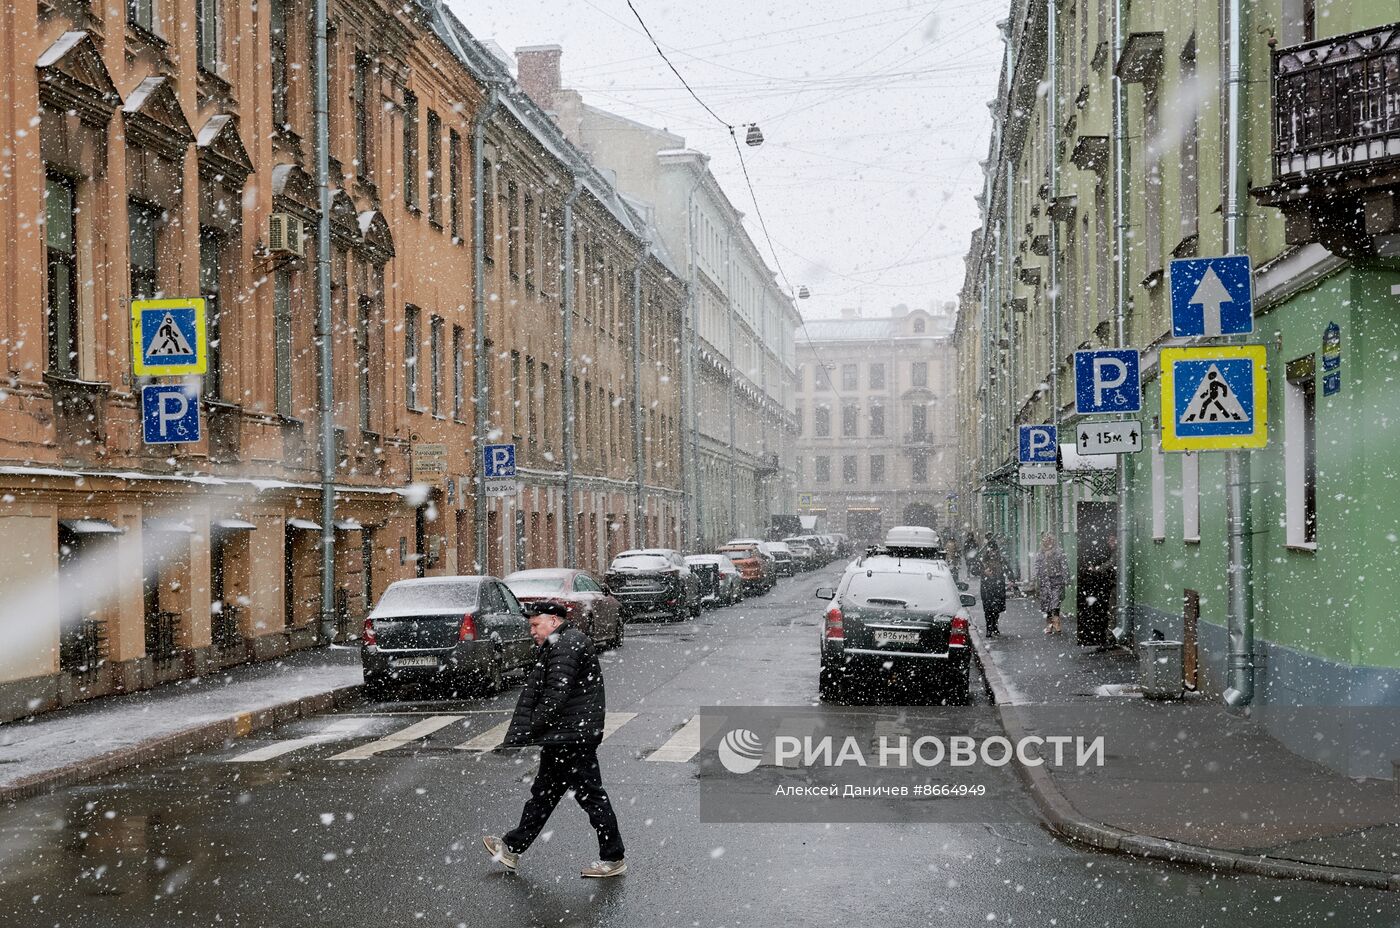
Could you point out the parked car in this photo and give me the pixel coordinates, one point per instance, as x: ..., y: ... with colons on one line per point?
x: 654, y: 582
x: 758, y: 572
x: 586, y: 604
x: 719, y: 580
x: 843, y: 544
x: 807, y: 556
x: 900, y: 618
x: 466, y: 632
x: 783, y: 558
x: 825, y: 552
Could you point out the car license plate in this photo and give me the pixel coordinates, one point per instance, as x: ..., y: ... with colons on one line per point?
x: 883, y: 638
x: 416, y: 662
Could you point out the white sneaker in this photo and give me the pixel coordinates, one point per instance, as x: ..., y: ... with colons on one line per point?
x: 500, y: 853
x: 601, y: 869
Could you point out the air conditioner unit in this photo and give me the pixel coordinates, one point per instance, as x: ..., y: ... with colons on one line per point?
x: 285, y: 235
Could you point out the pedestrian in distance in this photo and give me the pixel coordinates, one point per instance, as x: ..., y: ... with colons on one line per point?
x: 992, y: 566
x: 950, y: 551
x: 1051, y: 578
x: 561, y: 709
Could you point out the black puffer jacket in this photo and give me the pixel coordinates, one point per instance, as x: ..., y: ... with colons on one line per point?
x: 563, y: 700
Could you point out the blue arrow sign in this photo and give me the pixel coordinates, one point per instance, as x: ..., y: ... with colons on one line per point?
x: 1038, y: 444
x: 169, y: 414
x: 1212, y: 296
x: 1107, y: 382
x: 499, y: 461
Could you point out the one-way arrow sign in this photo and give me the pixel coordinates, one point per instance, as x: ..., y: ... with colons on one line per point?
x: 1108, y: 437
x: 1212, y: 297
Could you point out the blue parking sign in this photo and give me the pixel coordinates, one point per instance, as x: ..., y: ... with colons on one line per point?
x: 1212, y: 296
x: 1039, y: 444
x: 1107, y: 381
x: 170, y: 414
x: 499, y: 461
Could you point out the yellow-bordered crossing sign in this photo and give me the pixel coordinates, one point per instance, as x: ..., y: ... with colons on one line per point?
x: 168, y: 337
x: 1215, y: 398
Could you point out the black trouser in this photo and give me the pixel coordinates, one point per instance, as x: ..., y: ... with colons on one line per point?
x: 562, y: 768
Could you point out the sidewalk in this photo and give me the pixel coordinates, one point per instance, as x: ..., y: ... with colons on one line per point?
x: 91, y: 739
x: 1188, y: 781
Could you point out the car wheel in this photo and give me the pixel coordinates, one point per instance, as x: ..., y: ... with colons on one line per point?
x: 695, y: 607
x: 620, y: 633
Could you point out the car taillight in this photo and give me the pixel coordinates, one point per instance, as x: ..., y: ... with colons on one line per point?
x: 367, y: 636
x: 835, y: 627
x: 958, y: 635
x: 468, y: 630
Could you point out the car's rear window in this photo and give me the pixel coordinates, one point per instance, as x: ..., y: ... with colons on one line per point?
x: 529, y: 586
x: 738, y: 555
x: 640, y: 562
x: 932, y: 591
x: 411, y: 598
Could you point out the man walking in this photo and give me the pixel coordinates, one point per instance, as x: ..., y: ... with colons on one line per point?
x: 561, y: 709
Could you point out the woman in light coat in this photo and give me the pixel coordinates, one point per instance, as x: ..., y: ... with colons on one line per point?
x: 1051, y: 578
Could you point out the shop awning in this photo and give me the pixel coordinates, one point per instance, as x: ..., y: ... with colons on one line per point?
x: 173, y: 526
x: 234, y: 525
x: 305, y: 525
x: 348, y: 525
x: 91, y: 527
x: 1074, y: 462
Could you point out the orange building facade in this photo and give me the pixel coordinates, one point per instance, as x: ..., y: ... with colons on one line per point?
x: 164, y: 149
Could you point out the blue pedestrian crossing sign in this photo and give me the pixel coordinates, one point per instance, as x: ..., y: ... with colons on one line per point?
x: 1212, y: 296
x: 499, y: 461
x: 1039, y: 444
x: 168, y: 337
x: 1214, y: 398
x: 170, y: 414
x: 1107, y: 381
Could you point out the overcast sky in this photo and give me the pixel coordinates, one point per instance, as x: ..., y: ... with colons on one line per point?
x: 873, y: 113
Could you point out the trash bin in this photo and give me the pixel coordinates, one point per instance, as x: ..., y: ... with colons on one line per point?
x: 1159, y: 669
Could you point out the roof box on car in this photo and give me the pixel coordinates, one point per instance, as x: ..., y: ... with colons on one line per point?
x: 912, y: 536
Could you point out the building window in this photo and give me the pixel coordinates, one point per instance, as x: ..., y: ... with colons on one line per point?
x: 918, y: 327
x: 877, y: 420
x: 823, y: 469
x: 918, y: 421
x: 1300, y: 453
x: 143, y: 222
x: 488, y: 213
x: 530, y: 234
x: 282, y: 339
x: 278, y: 72
x: 459, y: 373
x: 918, y: 375
x: 877, y: 376
x: 546, y: 402
x: 434, y: 168
x: 367, y: 566
x: 435, y: 330
x: 849, y: 377
x: 206, y: 14
x: 515, y: 395
x: 410, y: 354
x: 848, y: 468
x: 513, y: 230
x: 364, y: 112
x: 362, y: 359
x: 920, y: 469
x: 454, y: 183
x: 60, y: 218
x: 211, y: 241
x: 1189, y: 154
x: 849, y: 413
x: 1309, y: 20
x: 821, y: 378
x: 1191, y: 497
x: 821, y: 421
x: 877, y: 468
x: 142, y: 13
x: 1152, y: 182
x: 801, y: 416
x: 1159, y: 491
x: 410, y: 150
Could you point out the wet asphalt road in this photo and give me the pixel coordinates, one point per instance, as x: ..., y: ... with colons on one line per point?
x: 390, y: 836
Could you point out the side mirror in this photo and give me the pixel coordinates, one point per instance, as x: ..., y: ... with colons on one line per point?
x: 962, y: 586
x: 968, y: 599
x: 826, y: 592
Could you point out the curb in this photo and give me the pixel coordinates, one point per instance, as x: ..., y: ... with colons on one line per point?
x: 177, y: 743
x: 1066, y: 822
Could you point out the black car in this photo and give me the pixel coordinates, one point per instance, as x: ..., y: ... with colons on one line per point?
x: 464, y: 632
x: 900, y: 620
x: 654, y: 582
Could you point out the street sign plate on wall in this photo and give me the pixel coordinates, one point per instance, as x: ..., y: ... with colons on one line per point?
x: 1038, y: 444
x: 1214, y: 398
x: 1212, y: 296
x: 168, y: 338
x: 1108, y: 437
x: 170, y: 414
x: 1107, y: 381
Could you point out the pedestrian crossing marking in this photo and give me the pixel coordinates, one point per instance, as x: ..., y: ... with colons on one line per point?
x: 336, y: 731
x: 1213, y: 400
x: 681, y: 746
x: 488, y: 740
x: 615, y: 720
x: 399, y: 738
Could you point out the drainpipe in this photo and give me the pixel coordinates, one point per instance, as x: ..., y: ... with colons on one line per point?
x: 1052, y: 105
x: 570, y: 539
x: 1237, y: 502
x: 479, y: 360
x: 1006, y: 321
x: 325, y: 330
x: 1123, y: 630
x: 733, y: 387
x: 639, y: 504
x: 693, y: 393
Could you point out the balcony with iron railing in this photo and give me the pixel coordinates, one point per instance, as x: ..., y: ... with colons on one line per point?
x: 1336, y: 140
